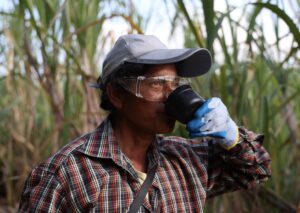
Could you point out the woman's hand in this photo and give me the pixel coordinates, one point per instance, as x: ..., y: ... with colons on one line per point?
x: 212, y: 119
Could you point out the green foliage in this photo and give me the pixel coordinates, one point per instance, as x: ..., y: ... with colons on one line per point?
x: 262, y: 94
x: 280, y: 13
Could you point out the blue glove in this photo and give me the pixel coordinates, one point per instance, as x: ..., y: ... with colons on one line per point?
x: 212, y: 119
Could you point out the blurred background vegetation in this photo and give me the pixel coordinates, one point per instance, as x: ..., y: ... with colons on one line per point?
x: 50, y: 50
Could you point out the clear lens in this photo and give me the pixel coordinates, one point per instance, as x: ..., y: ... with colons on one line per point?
x: 152, y: 88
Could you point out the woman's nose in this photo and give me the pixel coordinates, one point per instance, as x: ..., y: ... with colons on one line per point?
x: 169, y: 87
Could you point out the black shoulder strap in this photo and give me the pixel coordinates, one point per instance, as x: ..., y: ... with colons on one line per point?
x: 138, y: 200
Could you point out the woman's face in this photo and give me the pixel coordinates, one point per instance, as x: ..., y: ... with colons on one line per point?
x: 149, y: 116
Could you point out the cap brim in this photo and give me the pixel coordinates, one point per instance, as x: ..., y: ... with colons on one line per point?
x: 189, y: 62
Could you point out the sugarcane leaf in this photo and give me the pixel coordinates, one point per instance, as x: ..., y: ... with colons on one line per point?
x: 280, y: 13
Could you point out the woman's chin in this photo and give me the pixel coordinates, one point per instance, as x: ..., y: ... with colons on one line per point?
x: 167, y: 125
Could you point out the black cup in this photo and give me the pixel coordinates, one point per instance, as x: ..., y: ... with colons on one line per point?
x: 182, y: 103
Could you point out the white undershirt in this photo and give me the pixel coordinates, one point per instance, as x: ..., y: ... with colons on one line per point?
x: 142, y: 178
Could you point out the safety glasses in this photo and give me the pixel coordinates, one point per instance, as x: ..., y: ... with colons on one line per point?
x: 155, y: 88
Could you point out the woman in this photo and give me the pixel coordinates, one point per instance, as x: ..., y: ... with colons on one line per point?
x: 103, y: 171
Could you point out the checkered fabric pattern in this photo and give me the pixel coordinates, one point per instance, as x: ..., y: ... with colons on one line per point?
x: 91, y: 174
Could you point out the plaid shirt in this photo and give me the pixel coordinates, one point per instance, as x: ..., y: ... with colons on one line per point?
x: 91, y: 174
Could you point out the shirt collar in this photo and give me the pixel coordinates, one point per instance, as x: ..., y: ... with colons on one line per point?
x: 102, y: 143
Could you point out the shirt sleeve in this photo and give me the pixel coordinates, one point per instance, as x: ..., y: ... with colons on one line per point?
x: 42, y: 193
x: 242, y: 167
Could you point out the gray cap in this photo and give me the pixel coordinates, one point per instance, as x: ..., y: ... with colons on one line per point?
x: 148, y: 49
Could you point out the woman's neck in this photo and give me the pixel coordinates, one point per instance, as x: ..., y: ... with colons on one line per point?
x: 134, y: 143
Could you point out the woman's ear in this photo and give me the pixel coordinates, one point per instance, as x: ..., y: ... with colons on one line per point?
x: 115, y: 95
